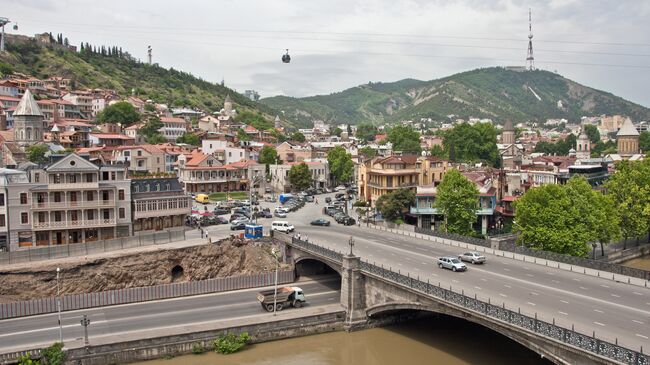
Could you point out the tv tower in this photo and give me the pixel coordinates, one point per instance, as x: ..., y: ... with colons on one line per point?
x: 530, y: 60
x: 149, y: 53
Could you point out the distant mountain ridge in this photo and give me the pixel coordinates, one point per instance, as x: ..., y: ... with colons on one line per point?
x: 496, y: 93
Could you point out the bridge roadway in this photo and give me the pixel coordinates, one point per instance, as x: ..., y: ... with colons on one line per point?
x: 34, y: 331
x: 612, y: 309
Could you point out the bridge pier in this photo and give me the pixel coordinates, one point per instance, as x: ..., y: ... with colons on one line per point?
x: 353, y: 293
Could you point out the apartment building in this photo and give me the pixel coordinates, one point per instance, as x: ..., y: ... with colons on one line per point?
x: 141, y: 159
x: 280, y: 175
x: 158, y: 203
x: 71, y: 200
x: 294, y: 152
x: 82, y: 99
x: 173, y: 128
x: 202, y: 173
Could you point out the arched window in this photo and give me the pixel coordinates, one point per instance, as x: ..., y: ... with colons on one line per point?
x: 29, y: 134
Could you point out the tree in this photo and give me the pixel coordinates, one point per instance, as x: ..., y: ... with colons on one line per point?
x: 121, y: 112
x: 268, y: 156
x: 340, y: 164
x: 592, y: 132
x: 394, y: 204
x: 297, y: 136
x: 404, y: 138
x: 151, y: 127
x: 189, y: 138
x: 36, y: 153
x: 156, y: 138
x: 242, y: 135
x: 257, y: 120
x: 644, y: 141
x: 471, y: 143
x: 438, y: 151
x: 300, y: 176
x: 279, y: 137
x: 367, y: 152
x: 457, y: 199
x: 366, y: 132
x: 337, y: 132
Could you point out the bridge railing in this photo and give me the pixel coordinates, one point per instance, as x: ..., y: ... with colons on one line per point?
x: 551, y: 330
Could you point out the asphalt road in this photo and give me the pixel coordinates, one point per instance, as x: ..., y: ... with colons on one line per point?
x: 613, y: 310
x: 34, y: 331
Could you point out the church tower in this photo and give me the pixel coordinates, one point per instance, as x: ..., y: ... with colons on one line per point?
x: 508, y: 134
x: 277, y: 124
x: 28, y: 121
x: 227, y: 105
x: 583, y: 150
x: 627, y: 139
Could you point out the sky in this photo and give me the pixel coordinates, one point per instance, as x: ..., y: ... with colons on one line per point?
x: 337, y: 44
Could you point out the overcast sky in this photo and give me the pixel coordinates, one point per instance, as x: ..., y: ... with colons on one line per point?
x: 336, y: 44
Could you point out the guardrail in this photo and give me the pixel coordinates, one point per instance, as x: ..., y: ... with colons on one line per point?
x: 550, y: 330
x: 142, y: 294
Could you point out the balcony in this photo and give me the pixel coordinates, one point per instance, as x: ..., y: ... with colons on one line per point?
x: 394, y: 186
x: 161, y: 212
x: 74, y: 224
x: 424, y: 210
x: 73, y: 204
x: 73, y: 186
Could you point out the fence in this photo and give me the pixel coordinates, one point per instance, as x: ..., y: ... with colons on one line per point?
x: 89, y: 248
x: 453, y: 236
x: 142, y: 294
x: 533, y: 324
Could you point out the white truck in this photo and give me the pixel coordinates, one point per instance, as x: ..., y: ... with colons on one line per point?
x: 287, y: 296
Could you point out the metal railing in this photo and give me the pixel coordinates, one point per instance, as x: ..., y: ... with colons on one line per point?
x: 533, y: 324
x: 453, y: 236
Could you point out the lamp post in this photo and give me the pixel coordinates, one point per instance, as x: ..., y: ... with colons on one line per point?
x: 367, y: 214
x: 58, y: 304
x: 275, y: 290
x: 351, y: 244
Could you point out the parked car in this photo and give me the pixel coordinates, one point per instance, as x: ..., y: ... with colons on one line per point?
x: 451, y: 263
x: 240, y: 220
x: 340, y: 188
x: 282, y: 226
x: 280, y: 214
x: 235, y: 217
x: 309, y: 198
x: 237, y: 226
x: 320, y: 191
x: 221, y: 211
x: 473, y: 257
x: 320, y: 222
x: 339, y: 195
x: 328, y: 200
x: 264, y: 214
x: 348, y: 221
x: 270, y: 199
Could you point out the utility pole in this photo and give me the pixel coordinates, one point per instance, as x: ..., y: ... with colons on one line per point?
x: 275, y: 290
x: 58, y: 304
x: 85, y: 322
x: 351, y: 309
x: 3, y: 22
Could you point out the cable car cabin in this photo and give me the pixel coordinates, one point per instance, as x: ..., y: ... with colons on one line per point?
x: 253, y: 231
x: 286, y: 58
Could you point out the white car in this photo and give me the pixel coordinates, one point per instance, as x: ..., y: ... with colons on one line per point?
x: 473, y: 257
x: 282, y: 226
x: 281, y: 209
x: 451, y: 263
x: 340, y: 188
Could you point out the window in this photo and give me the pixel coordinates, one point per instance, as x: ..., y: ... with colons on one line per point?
x: 121, y: 213
x: 104, y: 175
x: 74, y: 216
x: 24, y: 218
x: 57, y: 197
x: 104, y: 195
x: 89, y: 196
x: 113, y: 175
x: 139, y: 153
x: 2, y: 220
x: 57, y: 216
x: 120, y: 194
x: 23, y: 198
x: 2, y: 200
x: 89, y: 177
x: 37, y: 177
x: 107, y: 214
x: 91, y: 215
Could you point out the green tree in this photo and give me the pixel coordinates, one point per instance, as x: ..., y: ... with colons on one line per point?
x: 629, y: 193
x: 156, y: 138
x: 366, y: 132
x: 609, y: 227
x: 6, y: 69
x: 297, y: 136
x: 300, y: 176
x: 243, y: 136
x: 268, y: 156
x: 54, y: 354
x: 337, y: 132
x: 644, y: 141
x: 457, y: 199
x: 340, y: 164
x: 230, y: 343
x: 404, y: 138
x: 257, y: 120
x: 438, y: 151
x: 189, y: 138
x: 471, y: 143
x: 149, y: 107
x: 592, y: 132
x: 279, y: 137
x: 121, y: 112
x: 394, y: 204
x: 151, y: 127
x: 36, y: 153
x: 367, y: 152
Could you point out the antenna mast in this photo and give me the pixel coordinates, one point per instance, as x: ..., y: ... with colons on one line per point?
x: 149, y: 53
x: 530, y: 60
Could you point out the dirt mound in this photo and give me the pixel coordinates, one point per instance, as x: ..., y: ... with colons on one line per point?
x: 227, y: 257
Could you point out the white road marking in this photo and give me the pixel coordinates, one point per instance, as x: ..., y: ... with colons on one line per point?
x: 615, y: 295
x: 424, y: 263
x: 400, y: 264
x: 482, y: 279
x: 530, y: 275
x: 576, y: 279
x: 637, y: 293
x: 604, y: 286
x: 635, y: 321
x: 407, y: 259
x: 600, y: 324
x: 478, y: 287
x: 533, y: 293
x: 506, y: 269
x: 563, y: 313
x: 507, y: 286
x: 555, y: 281
x: 531, y: 303
x: 503, y: 295
x: 582, y: 287
x: 416, y: 269
x: 454, y: 280
x: 598, y: 311
x: 564, y: 301
x: 642, y: 336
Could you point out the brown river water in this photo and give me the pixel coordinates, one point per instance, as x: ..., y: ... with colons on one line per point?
x: 428, y: 341
x: 642, y: 262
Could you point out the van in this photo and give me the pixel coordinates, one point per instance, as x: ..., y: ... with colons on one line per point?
x: 202, y: 198
x: 282, y: 226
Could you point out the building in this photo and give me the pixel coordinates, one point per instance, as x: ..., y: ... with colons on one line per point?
x: 382, y: 175
x: 202, y: 173
x: 294, y: 152
x: 173, y: 128
x: 83, y: 100
x: 583, y: 146
x: 29, y: 123
x: 223, y: 151
x: 627, y: 139
x: 508, y: 134
x: 70, y: 133
x: 280, y: 175
x: 141, y: 159
x: 71, y: 200
x: 7, y: 177
x: 158, y: 203
x: 110, y: 139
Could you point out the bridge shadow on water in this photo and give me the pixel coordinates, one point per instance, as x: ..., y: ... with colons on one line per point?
x: 460, y: 341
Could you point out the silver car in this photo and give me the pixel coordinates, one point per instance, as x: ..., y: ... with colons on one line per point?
x: 473, y: 257
x: 451, y: 263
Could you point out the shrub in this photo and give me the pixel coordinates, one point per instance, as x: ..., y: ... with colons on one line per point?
x: 197, y: 348
x: 230, y: 343
x: 27, y: 360
x: 359, y: 203
x: 54, y: 354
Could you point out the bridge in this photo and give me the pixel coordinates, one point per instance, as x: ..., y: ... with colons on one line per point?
x: 369, y: 290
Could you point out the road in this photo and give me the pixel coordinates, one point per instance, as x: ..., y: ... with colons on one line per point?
x: 613, y: 310
x: 43, y: 330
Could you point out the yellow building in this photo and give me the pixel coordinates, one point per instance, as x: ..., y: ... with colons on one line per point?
x: 382, y: 175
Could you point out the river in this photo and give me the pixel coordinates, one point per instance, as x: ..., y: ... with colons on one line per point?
x: 443, y: 340
x: 642, y: 262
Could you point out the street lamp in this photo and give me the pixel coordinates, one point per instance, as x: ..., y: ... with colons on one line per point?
x: 275, y: 290
x: 58, y: 303
x: 368, y: 214
x: 351, y: 244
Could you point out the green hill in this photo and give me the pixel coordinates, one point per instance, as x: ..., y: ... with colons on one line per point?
x: 122, y: 73
x: 495, y: 93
